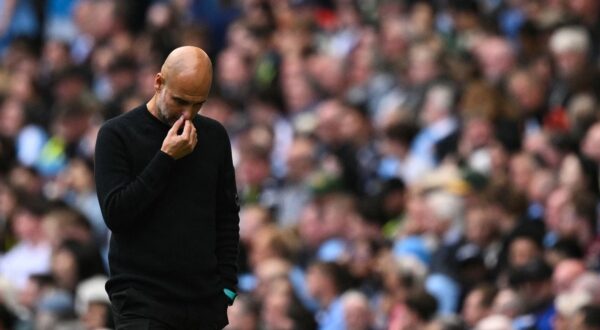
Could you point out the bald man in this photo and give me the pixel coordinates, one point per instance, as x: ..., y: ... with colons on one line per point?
x: 166, y: 187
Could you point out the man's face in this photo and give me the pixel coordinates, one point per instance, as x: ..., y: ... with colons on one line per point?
x: 175, y: 100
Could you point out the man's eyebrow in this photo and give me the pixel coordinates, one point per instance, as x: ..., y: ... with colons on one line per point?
x: 184, y: 101
x: 179, y: 99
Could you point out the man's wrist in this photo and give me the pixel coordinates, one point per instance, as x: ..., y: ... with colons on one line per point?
x: 230, y: 294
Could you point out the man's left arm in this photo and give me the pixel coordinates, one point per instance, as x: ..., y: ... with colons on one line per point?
x: 227, y: 222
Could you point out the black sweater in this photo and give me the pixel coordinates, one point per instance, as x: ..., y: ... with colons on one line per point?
x: 175, y: 224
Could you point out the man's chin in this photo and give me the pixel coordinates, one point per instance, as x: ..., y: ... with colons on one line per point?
x: 168, y: 120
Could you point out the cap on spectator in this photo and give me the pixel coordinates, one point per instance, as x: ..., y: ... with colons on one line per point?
x: 568, y: 303
x: 570, y: 39
x: 91, y: 290
x: 494, y: 322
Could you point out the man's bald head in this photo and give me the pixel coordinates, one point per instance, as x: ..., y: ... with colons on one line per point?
x: 188, y: 63
x: 182, y: 85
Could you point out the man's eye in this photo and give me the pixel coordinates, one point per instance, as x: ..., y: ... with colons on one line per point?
x: 180, y: 101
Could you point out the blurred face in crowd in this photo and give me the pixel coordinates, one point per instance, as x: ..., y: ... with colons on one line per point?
x: 496, y: 58
x: 252, y: 219
x: 253, y: 170
x: 329, y: 114
x: 300, y: 160
x: 587, y: 9
x: 64, y: 269
x: 570, y: 63
x: 423, y: 66
x: 355, y: 127
x: 21, y: 86
x: 336, y: 215
x: 361, y: 259
x: 575, y: 226
x: 357, y: 313
x: 542, y: 184
x: 522, y: 250
x: 27, y: 226
x: 79, y: 176
x: 437, y: 105
x: 478, y: 131
x: 233, y: 71
x: 361, y: 66
x: 310, y: 226
x: 96, y: 315
x: 317, y: 282
x: 480, y: 227
x: 527, y: 91
x: 422, y: 18
x: 241, y: 316
x: 474, y: 308
x: 521, y: 169
x: 507, y: 303
x: 393, y: 39
x: 565, y: 274
x: 12, y: 117
x: 298, y: 93
x: 556, y: 205
x: 263, y: 246
x: 268, y: 273
x: 275, y: 308
x: 591, y: 143
x: 8, y: 201
x: 328, y: 72
x: 30, y: 294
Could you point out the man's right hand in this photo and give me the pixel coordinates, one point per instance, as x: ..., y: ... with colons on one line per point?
x: 179, y: 145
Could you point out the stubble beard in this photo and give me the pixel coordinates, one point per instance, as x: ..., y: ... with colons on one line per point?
x: 163, y: 113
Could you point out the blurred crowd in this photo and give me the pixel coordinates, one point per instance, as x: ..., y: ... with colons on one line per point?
x: 401, y: 164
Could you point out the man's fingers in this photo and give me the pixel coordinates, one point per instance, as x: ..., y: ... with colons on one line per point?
x: 187, y: 130
x: 194, y: 139
x: 176, y: 126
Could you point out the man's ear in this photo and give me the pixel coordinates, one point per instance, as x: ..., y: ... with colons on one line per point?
x: 159, y: 82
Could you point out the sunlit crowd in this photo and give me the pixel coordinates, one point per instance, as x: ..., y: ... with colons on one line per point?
x: 401, y: 164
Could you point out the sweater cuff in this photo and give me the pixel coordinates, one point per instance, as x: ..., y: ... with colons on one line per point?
x: 157, y: 171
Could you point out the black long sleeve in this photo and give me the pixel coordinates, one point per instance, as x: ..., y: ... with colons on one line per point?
x: 228, y: 223
x: 123, y: 196
x: 175, y: 223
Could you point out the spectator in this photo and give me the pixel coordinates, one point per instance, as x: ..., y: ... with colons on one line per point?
x: 478, y: 304
x: 419, y: 310
x: 243, y: 315
x: 587, y: 318
x: 533, y: 284
x: 565, y: 273
x: 357, y: 312
x: 32, y: 253
x: 567, y: 305
x: 326, y: 281
x: 434, y: 146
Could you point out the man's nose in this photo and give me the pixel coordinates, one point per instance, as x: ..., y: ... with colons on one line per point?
x: 188, y: 112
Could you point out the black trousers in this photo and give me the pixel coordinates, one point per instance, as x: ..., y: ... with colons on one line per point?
x: 135, y: 310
